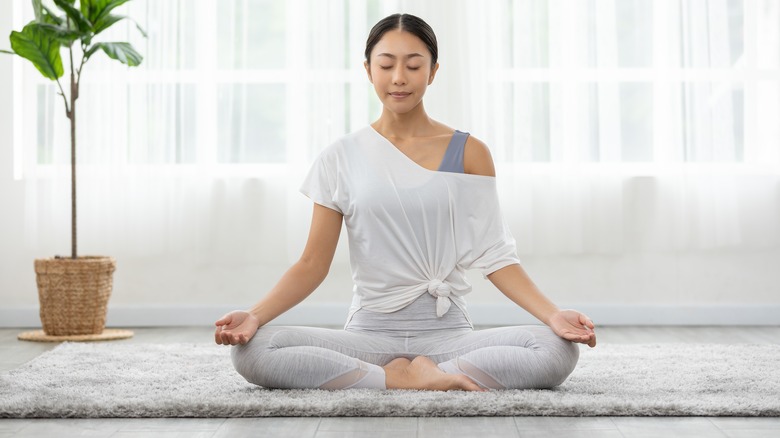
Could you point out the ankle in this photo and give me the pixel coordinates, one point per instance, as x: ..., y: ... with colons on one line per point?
x: 396, y: 377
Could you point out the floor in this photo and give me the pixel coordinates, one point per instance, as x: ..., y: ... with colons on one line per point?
x: 14, y: 353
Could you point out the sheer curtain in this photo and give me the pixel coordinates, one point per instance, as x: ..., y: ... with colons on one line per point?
x: 198, y: 152
x: 626, y: 126
x: 617, y: 126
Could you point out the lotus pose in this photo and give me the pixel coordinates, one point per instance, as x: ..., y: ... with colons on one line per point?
x: 420, y: 205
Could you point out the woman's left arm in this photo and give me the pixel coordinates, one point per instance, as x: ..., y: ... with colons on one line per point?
x: 571, y: 325
x: 512, y: 280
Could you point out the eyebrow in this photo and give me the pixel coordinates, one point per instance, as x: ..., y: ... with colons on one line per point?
x: 411, y: 55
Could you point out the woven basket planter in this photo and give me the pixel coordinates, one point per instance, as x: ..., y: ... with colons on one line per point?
x: 73, y: 294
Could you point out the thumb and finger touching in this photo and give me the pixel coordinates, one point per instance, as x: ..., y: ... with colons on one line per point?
x: 227, y: 319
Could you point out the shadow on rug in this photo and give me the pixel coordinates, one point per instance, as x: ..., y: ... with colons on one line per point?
x: 198, y: 380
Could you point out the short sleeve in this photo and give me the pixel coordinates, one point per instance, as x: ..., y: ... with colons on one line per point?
x: 321, y: 183
x: 483, y: 237
x: 497, y: 254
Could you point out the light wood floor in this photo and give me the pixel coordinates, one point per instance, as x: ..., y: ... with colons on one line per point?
x: 14, y: 353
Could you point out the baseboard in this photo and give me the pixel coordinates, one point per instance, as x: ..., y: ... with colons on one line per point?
x: 334, y: 314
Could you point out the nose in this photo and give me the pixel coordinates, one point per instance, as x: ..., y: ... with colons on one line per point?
x: 399, y: 78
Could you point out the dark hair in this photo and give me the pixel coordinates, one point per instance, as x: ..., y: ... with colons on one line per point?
x: 406, y: 22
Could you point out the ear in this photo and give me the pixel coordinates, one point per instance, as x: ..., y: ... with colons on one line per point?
x: 433, y: 73
x: 368, y: 71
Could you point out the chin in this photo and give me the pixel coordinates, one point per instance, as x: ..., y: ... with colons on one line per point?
x: 400, y: 109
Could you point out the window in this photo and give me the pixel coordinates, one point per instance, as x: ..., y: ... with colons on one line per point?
x: 226, y: 82
x: 267, y: 82
x: 634, y: 80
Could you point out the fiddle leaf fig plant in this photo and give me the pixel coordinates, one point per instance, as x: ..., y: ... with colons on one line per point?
x: 71, y: 25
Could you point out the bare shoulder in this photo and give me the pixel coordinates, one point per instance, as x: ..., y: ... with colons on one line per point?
x: 477, y: 159
x: 442, y: 129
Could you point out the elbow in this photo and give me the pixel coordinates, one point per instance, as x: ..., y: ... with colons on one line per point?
x: 317, y: 268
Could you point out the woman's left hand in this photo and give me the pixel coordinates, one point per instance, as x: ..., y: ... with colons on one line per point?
x: 573, y: 326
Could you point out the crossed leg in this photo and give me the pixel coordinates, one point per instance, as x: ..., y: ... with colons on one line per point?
x: 308, y: 357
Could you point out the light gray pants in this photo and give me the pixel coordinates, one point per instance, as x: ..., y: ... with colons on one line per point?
x: 499, y: 358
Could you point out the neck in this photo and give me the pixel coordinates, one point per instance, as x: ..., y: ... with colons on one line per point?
x: 414, y: 123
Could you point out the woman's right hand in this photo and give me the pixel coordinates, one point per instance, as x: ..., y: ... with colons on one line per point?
x: 236, y: 327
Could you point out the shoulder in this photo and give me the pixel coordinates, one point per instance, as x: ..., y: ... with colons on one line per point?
x: 476, y: 154
x: 477, y: 159
x: 346, y: 143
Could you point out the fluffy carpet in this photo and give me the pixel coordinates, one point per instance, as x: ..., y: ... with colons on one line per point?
x: 198, y: 380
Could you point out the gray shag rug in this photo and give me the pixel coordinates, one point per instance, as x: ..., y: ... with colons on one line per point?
x: 198, y: 380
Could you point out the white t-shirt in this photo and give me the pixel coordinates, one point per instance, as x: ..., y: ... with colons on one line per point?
x: 411, y: 230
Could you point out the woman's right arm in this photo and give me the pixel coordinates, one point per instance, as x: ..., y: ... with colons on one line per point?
x: 296, y: 284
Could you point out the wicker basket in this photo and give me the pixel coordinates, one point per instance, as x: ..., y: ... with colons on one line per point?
x: 74, y: 293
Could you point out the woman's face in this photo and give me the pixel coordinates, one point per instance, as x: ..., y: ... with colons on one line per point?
x: 400, y: 70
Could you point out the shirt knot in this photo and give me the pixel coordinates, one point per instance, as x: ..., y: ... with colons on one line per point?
x: 441, y: 291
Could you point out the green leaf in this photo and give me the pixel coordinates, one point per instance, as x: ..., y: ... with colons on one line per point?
x: 75, y: 15
x: 7, y: 51
x: 37, y: 10
x: 62, y: 34
x: 106, y: 22
x: 110, y: 5
x: 91, y: 51
x: 87, y: 6
x: 109, y: 20
x: 50, y: 17
x: 122, y: 52
x: 95, y: 10
x: 140, y: 29
x: 40, y: 47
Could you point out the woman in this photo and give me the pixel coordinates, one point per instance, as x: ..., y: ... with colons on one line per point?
x: 420, y: 205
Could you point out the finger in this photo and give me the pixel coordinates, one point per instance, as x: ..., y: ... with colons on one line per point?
x: 235, y: 339
x: 584, y: 320
x: 217, y: 337
x: 225, y: 320
x: 581, y: 338
x: 225, y: 338
x: 574, y: 337
x: 592, y: 342
x: 242, y: 339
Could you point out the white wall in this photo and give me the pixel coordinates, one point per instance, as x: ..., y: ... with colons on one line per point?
x: 701, y: 287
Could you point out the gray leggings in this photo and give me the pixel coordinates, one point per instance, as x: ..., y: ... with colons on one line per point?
x: 499, y: 358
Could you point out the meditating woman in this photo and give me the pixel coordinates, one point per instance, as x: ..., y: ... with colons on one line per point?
x: 420, y: 205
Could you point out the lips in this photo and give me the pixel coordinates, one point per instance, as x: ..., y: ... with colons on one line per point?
x: 400, y: 94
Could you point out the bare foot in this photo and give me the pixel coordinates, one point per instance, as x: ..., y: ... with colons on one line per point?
x: 423, y: 373
x: 398, y: 364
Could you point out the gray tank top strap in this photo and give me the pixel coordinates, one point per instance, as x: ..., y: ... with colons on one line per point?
x: 453, y: 158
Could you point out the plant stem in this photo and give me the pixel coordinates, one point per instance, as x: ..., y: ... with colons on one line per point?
x: 83, y: 61
x: 65, y: 98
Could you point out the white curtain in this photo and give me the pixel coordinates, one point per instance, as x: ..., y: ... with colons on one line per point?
x: 624, y: 126
x: 617, y: 126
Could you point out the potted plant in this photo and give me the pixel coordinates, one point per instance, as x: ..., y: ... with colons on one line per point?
x: 73, y: 291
